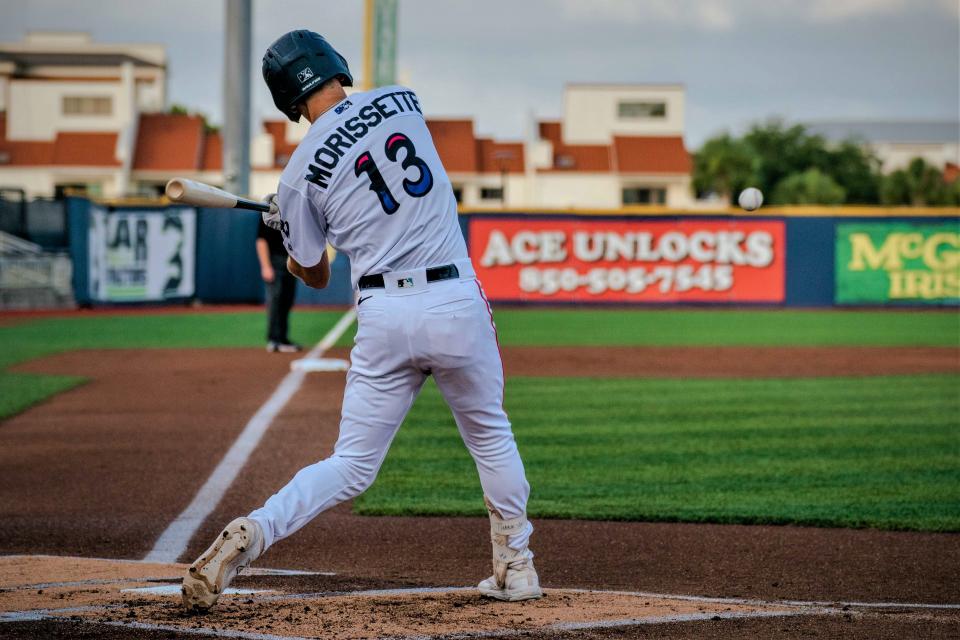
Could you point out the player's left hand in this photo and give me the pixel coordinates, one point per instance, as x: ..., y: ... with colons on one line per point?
x: 272, y: 218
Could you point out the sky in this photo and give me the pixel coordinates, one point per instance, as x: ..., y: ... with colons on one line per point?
x: 504, y: 62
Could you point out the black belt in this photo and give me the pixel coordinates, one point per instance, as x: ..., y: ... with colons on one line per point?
x: 446, y: 272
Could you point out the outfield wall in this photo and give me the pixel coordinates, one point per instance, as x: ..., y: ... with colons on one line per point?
x: 817, y: 257
x: 153, y: 254
x: 796, y: 257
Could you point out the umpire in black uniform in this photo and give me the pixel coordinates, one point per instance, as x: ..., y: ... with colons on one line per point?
x: 281, y: 288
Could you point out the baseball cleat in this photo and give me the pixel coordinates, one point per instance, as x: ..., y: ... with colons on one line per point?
x: 283, y: 347
x: 520, y: 583
x: 514, y: 577
x: 240, y: 543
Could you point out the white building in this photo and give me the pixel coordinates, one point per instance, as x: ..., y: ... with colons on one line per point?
x: 896, y: 143
x: 616, y: 145
x: 91, y: 117
x: 69, y: 109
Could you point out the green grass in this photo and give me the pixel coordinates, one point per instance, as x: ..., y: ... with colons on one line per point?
x: 879, y: 452
x: 853, y: 452
x: 36, y: 338
x: 19, y: 391
x: 726, y: 327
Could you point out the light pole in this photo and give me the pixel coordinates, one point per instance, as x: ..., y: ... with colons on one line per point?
x: 236, y: 98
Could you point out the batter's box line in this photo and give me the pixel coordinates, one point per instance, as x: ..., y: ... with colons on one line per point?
x: 35, y: 615
x: 29, y: 586
x: 806, y: 604
x: 248, y: 572
x: 784, y: 603
x: 51, y: 614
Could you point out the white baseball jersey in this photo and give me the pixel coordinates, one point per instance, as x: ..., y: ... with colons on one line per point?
x: 367, y: 178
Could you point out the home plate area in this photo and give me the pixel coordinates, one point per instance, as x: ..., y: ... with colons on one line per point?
x: 145, y: 596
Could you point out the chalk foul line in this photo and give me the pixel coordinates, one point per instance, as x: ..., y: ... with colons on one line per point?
x: 174, y: 540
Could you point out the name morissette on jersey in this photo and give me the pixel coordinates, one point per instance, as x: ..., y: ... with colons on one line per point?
x: 353, y: 130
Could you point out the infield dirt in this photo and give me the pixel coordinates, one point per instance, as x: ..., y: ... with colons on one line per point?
x: 102, y: 469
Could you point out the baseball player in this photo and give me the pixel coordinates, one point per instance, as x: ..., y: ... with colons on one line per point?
x: 367, y: 178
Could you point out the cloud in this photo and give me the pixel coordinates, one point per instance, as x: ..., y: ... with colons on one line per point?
x: 708, y: 15
x: 726, y: 15
x: 715, y: 15
x: 951, y: 6
x: 840, y: 10
x: 497, y: 60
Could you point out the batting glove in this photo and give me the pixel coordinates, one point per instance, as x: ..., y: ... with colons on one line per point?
x: 272, y: 218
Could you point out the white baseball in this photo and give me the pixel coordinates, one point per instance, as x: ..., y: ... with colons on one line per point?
x: 750, y: 198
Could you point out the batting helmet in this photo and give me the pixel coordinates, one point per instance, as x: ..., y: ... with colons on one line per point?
x: 297, y: 64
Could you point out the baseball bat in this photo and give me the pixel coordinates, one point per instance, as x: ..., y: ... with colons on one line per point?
x: 188, y: 191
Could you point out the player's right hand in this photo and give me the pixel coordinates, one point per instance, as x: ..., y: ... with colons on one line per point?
x: 272, y: 218
x: 267, y: 273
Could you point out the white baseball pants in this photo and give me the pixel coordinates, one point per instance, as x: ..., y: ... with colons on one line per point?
x: 409, y: 330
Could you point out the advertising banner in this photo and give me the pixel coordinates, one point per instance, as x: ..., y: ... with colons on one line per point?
x: 898, y: 262
x: 141, y: 255
x: 584, y: 260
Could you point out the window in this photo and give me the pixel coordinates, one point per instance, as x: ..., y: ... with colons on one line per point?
x: 644, y: 195
x: 631, y: 110
x: 564, y: 161
x: 491, y: 193
x: 458, y: 193
x: 87, y: 105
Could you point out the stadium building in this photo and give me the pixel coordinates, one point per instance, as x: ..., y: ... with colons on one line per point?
x: 93, y: 118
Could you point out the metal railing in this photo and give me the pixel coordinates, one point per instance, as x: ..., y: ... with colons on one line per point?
x: 32, y: 278
x: 42, y: 220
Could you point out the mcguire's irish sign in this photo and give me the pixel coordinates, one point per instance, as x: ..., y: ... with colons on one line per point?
x: 898, y: 262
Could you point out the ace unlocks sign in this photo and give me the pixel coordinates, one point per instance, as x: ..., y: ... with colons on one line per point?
x: 529, y: 258
x: 898, y: 262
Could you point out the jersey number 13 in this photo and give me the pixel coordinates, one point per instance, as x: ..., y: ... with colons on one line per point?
x: 418, y: 188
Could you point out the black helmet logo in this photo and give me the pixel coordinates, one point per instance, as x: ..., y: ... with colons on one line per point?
x: 304, y: 75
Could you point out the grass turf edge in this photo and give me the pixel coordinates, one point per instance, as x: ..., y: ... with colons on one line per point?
x: 875, y: 452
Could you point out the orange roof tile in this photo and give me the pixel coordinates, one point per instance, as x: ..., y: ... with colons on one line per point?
x: 455, y: 144
x: 580, y: 157
x: 951, y: 172
x: 17, y: 153
x: 22, y: 153
x: 495, y: 157
x: 459, y: 150
x: 551, y: 130
x: 573, y: 157
x: 86, y: 149
x: 282, y: 150
x: 212, y: 152
x: 169, y: 142
x: 650, y: 154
